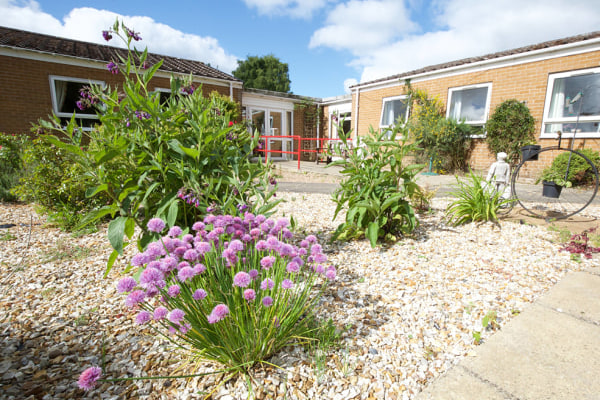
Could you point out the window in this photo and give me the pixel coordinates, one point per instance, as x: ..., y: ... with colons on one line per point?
x: 394, y: 108
x: 570, y: 94
x: 469, y: 104
x: 66, y: 92
x: 340, y: 119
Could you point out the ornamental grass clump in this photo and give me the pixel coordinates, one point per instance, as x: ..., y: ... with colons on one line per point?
x: 234, y: 290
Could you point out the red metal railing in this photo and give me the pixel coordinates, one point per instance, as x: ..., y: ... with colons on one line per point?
x: 299, y: 148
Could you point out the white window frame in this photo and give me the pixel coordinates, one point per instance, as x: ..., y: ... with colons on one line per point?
x: 388, y: 99
x: 54, y: 78
x: 582, y: 119
x: 488, y: 98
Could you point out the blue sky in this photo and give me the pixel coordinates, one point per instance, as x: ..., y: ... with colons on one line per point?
x: 328, y: 44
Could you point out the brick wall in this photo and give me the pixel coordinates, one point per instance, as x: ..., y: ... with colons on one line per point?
x: 25, y: 89
x: 525, y: 82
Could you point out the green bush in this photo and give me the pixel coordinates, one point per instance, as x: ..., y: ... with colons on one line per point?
x: 177, y: 158
x: 509, y: 128
x: 475, y: 202
x: 580, y: 172
x: 11, y: 164
x: 377, y: 188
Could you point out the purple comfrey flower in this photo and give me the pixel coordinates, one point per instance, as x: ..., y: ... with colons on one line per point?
x: 242, y: 279
x: 267, y: 284
x: 81, y: 104
x: 267, y: 301
x: 267, y: 262
x: 187, y: 89
x: 126, y: 284
x: 173, y: 290
x: 198, y: 226
x: 142, y: 317
x: 191, y: 255
x: 175, y: 231
x: 253, y: 273
x: 134, y: 35
x: 249, y: 294
x: 199, y: 269
x: 292, y: 267
x: 218, y: 313
x: 113, y: 68
x: 272, y: 181
x: 199, y: 294
x: 134, y: 298
x: 287, y: 284
x: 156, y: 225
x: 160, y: 313
x: 142, y: 115
x: 176, y: 316
x: 242, y: 207
x: 185, y: 274
x: 87, y: 379
x: 106, y: 35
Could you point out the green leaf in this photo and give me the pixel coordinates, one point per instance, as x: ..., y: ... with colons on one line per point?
x: 172, y: 213
x: 96, y: 215
x: 90, y: 192
x: 130, y: 227
x: 116, y: 231
x: 111, y: 261
x: 373, y: 233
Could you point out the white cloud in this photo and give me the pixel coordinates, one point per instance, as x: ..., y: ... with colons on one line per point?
x: 293, y: 8
x: 87, y: 24
x: 349, y: 82
x: 460, y: 29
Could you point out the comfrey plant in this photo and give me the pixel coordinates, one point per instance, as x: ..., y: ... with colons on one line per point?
x: 235, y: 291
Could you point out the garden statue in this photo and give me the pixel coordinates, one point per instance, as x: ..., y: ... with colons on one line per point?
x: 499, y: 176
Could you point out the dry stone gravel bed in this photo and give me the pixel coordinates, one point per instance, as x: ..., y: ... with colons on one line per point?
x: 407, y: 311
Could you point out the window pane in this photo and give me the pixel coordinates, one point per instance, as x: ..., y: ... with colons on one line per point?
x: 570, y: 127
x: 468, y: 104
x: 67, y: 95
x: 567, y: 89
x: 392, y: 109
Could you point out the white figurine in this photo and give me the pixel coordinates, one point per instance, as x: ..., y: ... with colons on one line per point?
x: 499, y: 175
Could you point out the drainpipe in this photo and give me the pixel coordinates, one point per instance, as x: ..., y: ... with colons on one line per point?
x: 355, y: 116
x: 231, y: 91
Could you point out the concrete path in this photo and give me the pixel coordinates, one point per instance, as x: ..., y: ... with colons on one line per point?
x: 549, y: 351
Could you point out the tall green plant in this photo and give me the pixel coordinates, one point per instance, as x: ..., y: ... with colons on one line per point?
x: 177, y: 159
x: 509, y: 128
x: 377, y: 187
x: 11, y: 164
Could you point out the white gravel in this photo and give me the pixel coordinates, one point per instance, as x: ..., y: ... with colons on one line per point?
x: 408, y: 311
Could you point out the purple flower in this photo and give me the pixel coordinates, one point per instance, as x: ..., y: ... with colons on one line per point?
x: 218, y: 313
x: 199, y: 269
x: 113, y: 68
x: 272, y: 243
x: 267, y: 301
x: 249, y: 294
x: 199, y: 294
x: 293, y: 267
x: 267, y: 284
x: 134, y: 35
x: 311, y: 239
x: 106, y: 35
x: 176, y: 316
x: 261, y: 245
x: 253, y: 273
x: 142, y: 317
x: 135, y: 297
x: 139, y: 259
x: 173, y: 290
x: 126, y: 285
x: 236, y: 245
x: 320, y: 258
x: 267, y: 262
x: 287, y: 284
x: 160, y: 313
x: 87, y: 380
x: 156, y: 225
x: 186, y: 273
x: 316, y: 249
x: 320, y: 269
x: 150, y: 276
x: 242, y: 279
x: 198, y: 226
x: 330, y: 274
x: 175, y: 231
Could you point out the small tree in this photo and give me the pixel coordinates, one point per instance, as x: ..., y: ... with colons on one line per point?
x: 509, y: 128
x: 266, y: 72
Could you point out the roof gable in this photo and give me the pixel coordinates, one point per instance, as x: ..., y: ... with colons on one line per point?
x: 19, y: 39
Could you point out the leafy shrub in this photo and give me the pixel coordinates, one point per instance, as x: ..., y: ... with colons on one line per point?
x: 11, y: 164
x: 580, y: 172
x: 475, y: 202
x: 377, y: 188
x: 234, y: 292
x: 579, y: 244
x: 177, y: 159
x: 510, y: 127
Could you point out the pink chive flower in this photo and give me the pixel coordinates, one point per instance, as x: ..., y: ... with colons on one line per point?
x: 87, y: 379
x: 316, y: 249
x: 287, y: 284
x: 249, y: 294
x: 176, y: 316
x: 173, y: 290
x: 135, y: 297
x: 267, y: 284
x: 142, y: 317
x: 267, y: 301
x: 160, y: 313
x: 253, y: 273
x: 330, y: 274
x: 191, y: 255
x: 311, y: 239
x: 198, y: 226
x: 175, y: 231
x: 185, y: 273
x: 292, y: 267
x: 267, y: 262
x: 320, y: 269
x: 199, y: 294
x: 156, y: 225
x: 199, y: 269
x: 126, y: 284
x: 242, y: 279
x: 218, y: 313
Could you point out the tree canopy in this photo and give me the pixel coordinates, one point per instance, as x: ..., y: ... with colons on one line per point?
x: 266, y: 72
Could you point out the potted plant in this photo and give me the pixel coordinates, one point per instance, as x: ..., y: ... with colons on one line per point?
x: 553, y: 182
x: 529, y: 151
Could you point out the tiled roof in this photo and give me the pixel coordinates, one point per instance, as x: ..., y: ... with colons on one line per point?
x: 506, y: 53
x: 19, y: 39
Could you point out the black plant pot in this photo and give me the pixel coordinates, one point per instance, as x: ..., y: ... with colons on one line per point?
x: 551, y: 190
x: 530, y: 152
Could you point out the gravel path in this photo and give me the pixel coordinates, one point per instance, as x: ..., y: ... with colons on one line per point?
x: 407, y: 311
